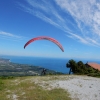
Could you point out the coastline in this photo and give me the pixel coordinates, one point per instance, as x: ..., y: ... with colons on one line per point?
x: 4, y: 60
x: 8, y: 68
x: 56, y: 64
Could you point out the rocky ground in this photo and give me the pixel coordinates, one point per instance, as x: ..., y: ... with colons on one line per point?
x: 79, y: 87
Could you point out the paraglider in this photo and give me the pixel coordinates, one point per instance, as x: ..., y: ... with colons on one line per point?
x: 46, y: 38
x: 43, y: 71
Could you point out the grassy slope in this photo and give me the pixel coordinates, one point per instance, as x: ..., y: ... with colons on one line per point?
x: 28, y: 88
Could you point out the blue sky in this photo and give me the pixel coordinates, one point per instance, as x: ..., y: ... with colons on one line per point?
x: 74, y: 23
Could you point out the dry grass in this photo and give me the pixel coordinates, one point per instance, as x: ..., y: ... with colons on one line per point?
x: 30, y: 88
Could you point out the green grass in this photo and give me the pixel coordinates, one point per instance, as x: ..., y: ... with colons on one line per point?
x: 23, y: 88
x: 1, y: 85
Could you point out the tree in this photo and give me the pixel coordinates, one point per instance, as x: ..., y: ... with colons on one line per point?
x: 72, y: 65
x: 81, y: 68
x: 76, y: 68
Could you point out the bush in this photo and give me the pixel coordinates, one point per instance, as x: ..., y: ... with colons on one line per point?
x: 91, y: 70
x: 1, y: 85
x: 6, y: 77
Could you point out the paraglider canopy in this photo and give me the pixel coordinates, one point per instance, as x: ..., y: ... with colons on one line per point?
x: 46, y: 38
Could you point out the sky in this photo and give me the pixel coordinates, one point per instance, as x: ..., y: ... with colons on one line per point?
x: 73, y: 23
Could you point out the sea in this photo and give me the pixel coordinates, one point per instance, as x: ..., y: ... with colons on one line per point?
x: 56, y: 64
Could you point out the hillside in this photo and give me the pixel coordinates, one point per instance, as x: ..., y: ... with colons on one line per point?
x: 53, y: 87
x: 8, y: 68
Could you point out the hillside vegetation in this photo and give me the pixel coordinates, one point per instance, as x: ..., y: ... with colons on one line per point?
x: 30, y: 88
x: 82, y: 69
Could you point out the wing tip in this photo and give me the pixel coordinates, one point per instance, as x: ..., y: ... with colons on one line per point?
x: 24, y: 47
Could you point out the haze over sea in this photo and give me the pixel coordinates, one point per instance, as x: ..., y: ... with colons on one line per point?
x: 56, y: 64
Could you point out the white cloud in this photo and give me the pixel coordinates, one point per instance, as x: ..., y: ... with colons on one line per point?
x: 87, y: 15
x: 79, y: 38
x: 80, y: 19
x: 10, y: 36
